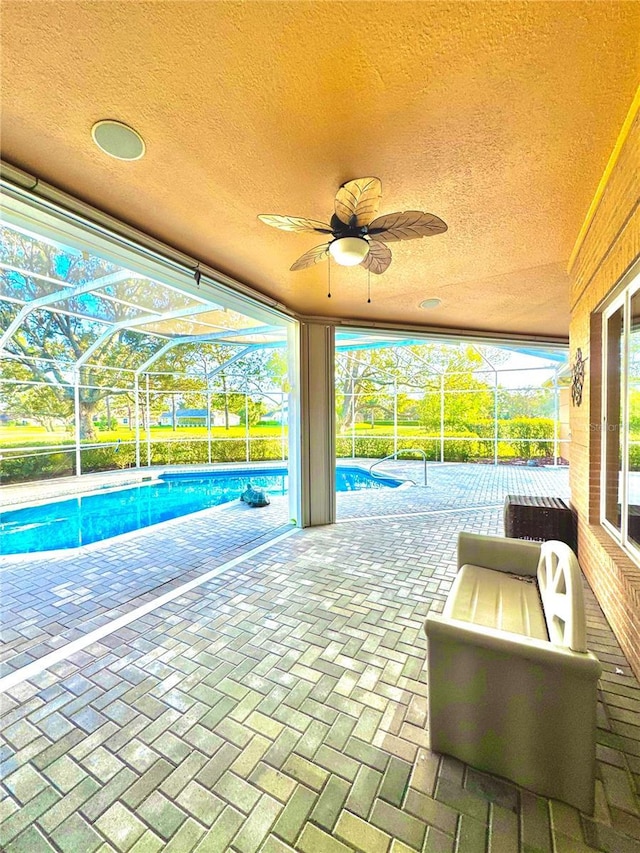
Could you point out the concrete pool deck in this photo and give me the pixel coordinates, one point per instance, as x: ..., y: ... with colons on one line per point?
x: 279, y: 704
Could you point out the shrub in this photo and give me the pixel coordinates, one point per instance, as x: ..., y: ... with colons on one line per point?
x: 526, y: 438
x: 44, y: 466
x: 531, y: 429
x: 266, y: 448
x: 16, y: 468
x: 634, y: 457
x: 108, y: 458
x: 378, y: 448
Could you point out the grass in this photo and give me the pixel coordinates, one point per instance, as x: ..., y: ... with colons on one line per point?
x: 29, y: 435
x: 383, y: 430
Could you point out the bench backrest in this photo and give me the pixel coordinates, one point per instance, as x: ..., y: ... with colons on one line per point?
x: 560, y: 584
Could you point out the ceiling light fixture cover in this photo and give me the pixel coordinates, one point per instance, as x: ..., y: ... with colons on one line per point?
x: 349, y: 251
x: 118, y: 140
x: 430, y: 303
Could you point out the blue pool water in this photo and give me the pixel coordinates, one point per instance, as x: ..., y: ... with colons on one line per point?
x: 80, y: 520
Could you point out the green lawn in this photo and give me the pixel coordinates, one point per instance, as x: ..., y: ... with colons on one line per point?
x: 366, y: 430
x: 29, y: 435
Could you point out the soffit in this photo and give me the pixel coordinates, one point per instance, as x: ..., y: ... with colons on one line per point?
x: 498, y: 117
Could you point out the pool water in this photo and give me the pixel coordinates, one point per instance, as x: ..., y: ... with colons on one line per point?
x: 83, y: 519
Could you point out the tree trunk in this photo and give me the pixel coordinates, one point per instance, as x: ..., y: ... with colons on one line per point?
x: 352, y: 374
x: 87, y: 411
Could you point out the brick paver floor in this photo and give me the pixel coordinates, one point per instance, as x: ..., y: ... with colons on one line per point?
x: 281, y: 704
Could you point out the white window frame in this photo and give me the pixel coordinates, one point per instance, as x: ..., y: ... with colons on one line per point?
x: 630, y: 285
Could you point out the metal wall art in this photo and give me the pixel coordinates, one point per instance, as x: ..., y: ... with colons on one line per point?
x: 577, y: 378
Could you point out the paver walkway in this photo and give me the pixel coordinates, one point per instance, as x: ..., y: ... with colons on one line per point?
x: 281, y: 706
x: 52, y: 598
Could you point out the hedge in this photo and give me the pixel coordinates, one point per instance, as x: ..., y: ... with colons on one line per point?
x: 43, y: 466
x: 526, y: 438
x: 466, y: 446
x: 473, y: 443
x: 377, y: 448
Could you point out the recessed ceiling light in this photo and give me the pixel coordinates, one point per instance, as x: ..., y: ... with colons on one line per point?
x: 430, y: 303
x: 118, y: 140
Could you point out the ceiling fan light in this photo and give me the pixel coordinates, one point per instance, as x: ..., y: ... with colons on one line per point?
x: 349, y: 251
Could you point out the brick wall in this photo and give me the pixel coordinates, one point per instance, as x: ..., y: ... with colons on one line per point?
x: 610, y: 247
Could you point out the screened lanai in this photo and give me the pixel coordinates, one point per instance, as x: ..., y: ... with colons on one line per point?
x: 110, y: 361
x: 92, y: 346
x: 451, y: 400
x: 113, y: 358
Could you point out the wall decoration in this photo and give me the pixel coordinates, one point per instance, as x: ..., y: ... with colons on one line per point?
x: 577, y: 378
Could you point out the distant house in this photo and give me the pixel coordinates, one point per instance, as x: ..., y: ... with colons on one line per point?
x: 198, y: 417
x: 279, y: 415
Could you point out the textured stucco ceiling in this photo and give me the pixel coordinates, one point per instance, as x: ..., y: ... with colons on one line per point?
x: 497, y: 117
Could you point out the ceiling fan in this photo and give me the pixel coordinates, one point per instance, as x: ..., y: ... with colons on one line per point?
x: 355, y: 236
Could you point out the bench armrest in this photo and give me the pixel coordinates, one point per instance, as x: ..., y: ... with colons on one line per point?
x: 495, y: 552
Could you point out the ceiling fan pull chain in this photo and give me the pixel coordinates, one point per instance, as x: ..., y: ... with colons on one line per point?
x: 328, y: 277
x: 368, y: 286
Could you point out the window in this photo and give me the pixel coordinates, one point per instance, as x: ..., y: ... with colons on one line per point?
x: 620, y: 485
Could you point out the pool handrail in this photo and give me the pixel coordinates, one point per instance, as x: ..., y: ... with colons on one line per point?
x: 395, y: 456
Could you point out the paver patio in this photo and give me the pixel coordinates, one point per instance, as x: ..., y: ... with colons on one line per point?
x: 279, y: 705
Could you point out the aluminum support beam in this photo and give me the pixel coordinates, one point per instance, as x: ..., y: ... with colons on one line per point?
x: 58, y: 296
x: 148, y: 424
x: 179, y: 341
x: 136, y: 395
x: 140, y: 321
x: 77, y: 421
x: 442, y: 417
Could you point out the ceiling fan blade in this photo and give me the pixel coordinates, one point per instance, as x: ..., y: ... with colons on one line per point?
x: 378, y: 258
x: 294, y: 223
x: 313, y: 256
x: 357, y: 201
x: 406, y: 226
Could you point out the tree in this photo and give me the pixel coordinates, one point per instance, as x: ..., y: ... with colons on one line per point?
x: 531, y: 402
x: 468, y: 397
x: 367, y: 379
x: 258, y: 373
x: 50, y: 340
x: 37, y: 402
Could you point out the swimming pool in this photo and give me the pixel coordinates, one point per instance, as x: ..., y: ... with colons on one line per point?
x: 80, y: 520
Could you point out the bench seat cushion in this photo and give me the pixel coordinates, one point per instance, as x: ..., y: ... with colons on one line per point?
x: 497, y: 600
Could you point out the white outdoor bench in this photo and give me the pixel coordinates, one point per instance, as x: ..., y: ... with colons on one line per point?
x: 512, y: 687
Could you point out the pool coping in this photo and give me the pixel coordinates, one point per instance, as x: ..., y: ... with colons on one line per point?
x: 68, y: 487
